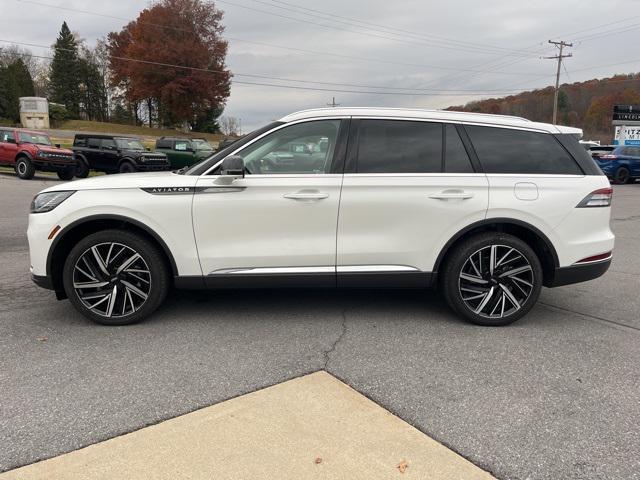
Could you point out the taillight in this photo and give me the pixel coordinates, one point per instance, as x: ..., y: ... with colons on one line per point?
x: 608, y: 157
x: 597, y: 198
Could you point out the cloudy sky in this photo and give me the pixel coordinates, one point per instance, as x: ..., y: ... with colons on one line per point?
x: 402, y: 53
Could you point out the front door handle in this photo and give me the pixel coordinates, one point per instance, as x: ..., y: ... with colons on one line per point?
x: 302, y: 195
x: 452, y: 195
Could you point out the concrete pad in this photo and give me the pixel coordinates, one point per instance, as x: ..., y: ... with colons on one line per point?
x: 312, y: 427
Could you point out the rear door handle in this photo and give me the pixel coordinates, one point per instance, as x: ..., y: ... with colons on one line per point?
x: 451, y: 195
x: 306, y: 196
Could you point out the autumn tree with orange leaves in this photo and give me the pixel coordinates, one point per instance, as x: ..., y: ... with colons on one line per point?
x: 171, y: 59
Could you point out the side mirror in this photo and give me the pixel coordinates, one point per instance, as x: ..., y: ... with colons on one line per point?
x: 232, y: 166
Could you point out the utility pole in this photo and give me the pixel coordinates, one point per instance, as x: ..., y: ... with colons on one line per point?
x: 333, y: 103
x: 559, y: 57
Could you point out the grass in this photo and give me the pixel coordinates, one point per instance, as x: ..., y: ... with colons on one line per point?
x: 103, y: 127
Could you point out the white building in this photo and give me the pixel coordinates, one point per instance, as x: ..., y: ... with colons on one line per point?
x: 34, y: 112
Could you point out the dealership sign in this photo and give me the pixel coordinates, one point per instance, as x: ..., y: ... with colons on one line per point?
x: 626, y: 113
x: 631, y: 135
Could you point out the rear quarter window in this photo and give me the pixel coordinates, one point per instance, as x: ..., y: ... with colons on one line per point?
x: 502, y: 150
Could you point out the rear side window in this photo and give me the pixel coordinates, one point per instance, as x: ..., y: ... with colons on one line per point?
x: 456, y: 157
x: 6, y: 135
x: 502, y: 150
x: 93, y: 143
x: 182, y: 146
x: 399, y: 146
x: 80, y: 142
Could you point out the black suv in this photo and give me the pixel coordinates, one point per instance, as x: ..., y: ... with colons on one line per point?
x: 113, y: 154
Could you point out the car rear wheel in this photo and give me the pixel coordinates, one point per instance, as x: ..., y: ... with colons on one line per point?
x: 492, y: 279
x: 66, y: 173
x: 115, y: 277
x: 622, y: 175
x: 24, y: 168
x: 127, y: 167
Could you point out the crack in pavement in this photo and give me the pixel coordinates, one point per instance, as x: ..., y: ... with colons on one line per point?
x: 593, y: 317
x: 327, y: 353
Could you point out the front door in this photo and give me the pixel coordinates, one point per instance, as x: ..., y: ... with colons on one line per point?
x: 277, y: 225
x: 409, y: 186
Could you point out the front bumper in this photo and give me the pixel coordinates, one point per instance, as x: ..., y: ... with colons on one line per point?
x: 153, y: 168
x: 578, y: 273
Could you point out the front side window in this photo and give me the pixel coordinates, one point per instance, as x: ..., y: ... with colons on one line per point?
x: 108, y: 144
x: 303, y: 148
x: 503, y: 150
x: 399, y: 146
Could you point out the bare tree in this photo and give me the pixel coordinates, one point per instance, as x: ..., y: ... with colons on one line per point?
x: 229, y: 125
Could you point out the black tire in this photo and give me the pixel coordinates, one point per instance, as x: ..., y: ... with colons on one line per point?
x: 127, y: 167
x: 622, y: 176
x: 24, y: 168
x: 499, y: 286
x: 82, y: 169
x: 124, y: 284
x: 66, y: 173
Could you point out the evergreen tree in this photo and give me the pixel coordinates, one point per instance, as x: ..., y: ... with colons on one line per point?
x: 64, y: 75
x: 15, y: 82
x: 93, y: 93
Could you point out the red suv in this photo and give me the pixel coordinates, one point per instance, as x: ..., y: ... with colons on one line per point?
x: 28, y: 151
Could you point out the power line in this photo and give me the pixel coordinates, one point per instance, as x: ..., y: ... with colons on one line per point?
x: 312, y: 52
x: 333, y: 27
x: 295, y: 87
x: 267, y: 77
x: 390, y: 30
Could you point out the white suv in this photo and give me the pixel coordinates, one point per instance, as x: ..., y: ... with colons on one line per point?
x: 489, y: 208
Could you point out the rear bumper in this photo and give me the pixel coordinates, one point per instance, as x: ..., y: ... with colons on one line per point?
x: 578, y: 273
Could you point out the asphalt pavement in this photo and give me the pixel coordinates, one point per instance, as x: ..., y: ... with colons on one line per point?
x: 555, y: 395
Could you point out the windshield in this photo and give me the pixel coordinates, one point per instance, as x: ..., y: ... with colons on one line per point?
x: 129, y: 144
x: 202, y: 145
x: 37, y: 138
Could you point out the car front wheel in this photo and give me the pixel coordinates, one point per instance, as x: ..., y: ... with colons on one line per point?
x: 622, y: 176
x: 492, y: 279
x: 115, y: 277
x: 127, y: 167
x: 25, y: 169
x: 66, y: 173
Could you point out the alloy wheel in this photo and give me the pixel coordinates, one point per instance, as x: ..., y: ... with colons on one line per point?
x: 112, y: 280
x: 22, y: 168
x: 496, y: 281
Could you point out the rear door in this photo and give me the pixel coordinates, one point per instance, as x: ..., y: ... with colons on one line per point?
x: 409, y: 186
x: 109, y: 156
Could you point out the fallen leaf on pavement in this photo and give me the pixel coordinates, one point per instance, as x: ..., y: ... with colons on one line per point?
x: 402, y: 466
x: 318, y: 461
x: 43, y: 339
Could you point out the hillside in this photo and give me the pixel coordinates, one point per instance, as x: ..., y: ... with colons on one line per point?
x: 587, y: 105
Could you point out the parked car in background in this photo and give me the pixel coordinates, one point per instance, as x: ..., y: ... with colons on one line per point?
x: 27, y: 151
x: 226, y: 142
x: 487, y: 208
x: 622, y: 164
x: 115, y: 154
x: 599, y: 150
x: 184, y: 152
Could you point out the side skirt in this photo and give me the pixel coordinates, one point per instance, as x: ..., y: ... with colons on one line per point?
x: 419, y: 280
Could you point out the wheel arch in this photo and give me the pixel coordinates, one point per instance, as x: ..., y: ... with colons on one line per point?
x: 127, y: 160
x: 24, y: 154
x: 538, y: 241
x: 72, y: 233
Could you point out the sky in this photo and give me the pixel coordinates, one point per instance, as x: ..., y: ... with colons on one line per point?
x: 412, y: 53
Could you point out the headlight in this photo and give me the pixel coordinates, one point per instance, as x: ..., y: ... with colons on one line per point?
x: 45, y: 202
